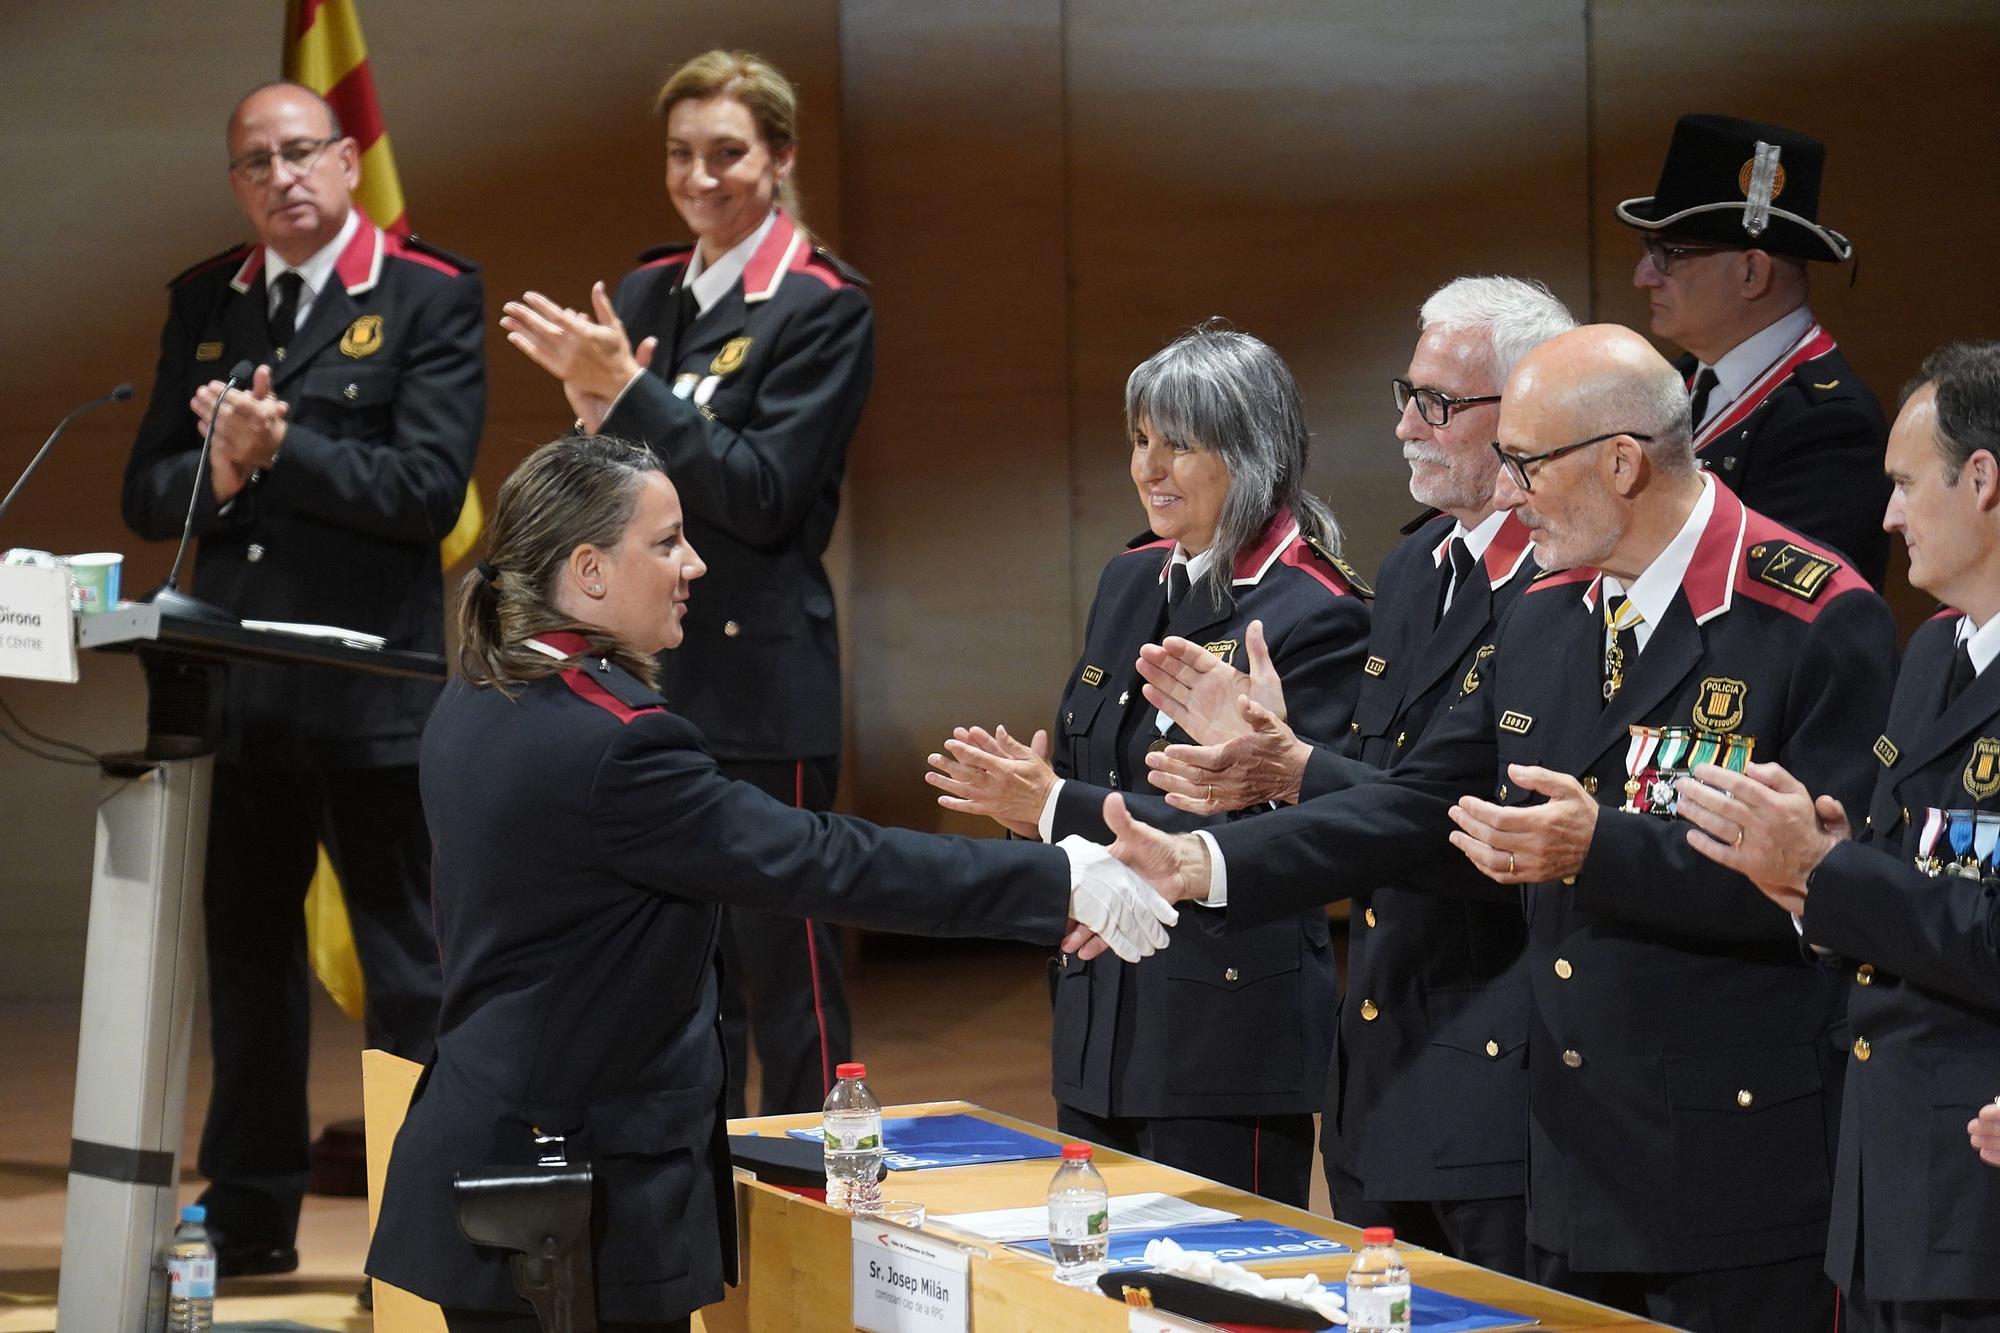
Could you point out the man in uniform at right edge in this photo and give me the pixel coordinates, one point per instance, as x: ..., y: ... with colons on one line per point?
x: 1780, y: 417
x: 1907, y: 911
x: 1683, y: 1056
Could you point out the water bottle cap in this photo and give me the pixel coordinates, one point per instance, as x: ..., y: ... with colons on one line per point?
x: 1379, y: 1236
x: 854, y: 1070
x: 193, y: 1212
x: 1076, y: 1152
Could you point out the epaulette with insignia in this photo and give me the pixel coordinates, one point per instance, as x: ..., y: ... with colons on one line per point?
x: 234, y: 252
x: 1355, y: 581
x: 1790, y: 568
x: 460, y: 262
x: 839, y: 265
x: 661, y: 253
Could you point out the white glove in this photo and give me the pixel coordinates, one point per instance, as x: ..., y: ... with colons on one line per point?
x: 1113, y: 902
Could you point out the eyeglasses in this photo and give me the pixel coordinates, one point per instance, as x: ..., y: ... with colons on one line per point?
x: 1434, y: 407
x: 298, y: 155
x: 1664, y: 253
x: 1517, y: 464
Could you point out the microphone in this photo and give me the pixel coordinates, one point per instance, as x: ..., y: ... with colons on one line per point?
x: 121, y: 394
x: 168, y: 597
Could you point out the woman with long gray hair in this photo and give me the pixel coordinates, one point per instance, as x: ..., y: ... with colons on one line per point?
x: 1213, y: 1062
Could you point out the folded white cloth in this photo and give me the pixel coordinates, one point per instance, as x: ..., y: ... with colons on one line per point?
x: 1201, y: 1266
x: 1109, y: 898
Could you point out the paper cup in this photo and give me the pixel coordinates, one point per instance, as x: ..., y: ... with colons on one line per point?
x: 93, y: 581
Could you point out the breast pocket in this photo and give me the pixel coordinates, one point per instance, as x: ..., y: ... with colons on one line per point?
x: 1476, y: 1062
x: 348, y: 393
x: 1079, y: 716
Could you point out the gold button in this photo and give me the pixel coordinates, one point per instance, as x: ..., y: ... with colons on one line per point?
x: 1572, y: 1059
x: 1401, y: 736
x: 1563, y: 969
x: 1493, y: 1048
x: 1503, y: 791
x: 1369, y: 916
x: 1906, y: 814
x: 1569, y: 879
x: 1069, y: 719
x: 1590, y: 783
x: 352, y: 392
x: 1354, y: 726
x: 1123, y: 699
x: 731, y: 629
x: 1861, y: 1048
x: 1865, y: 974
x: 1744, y: 1097
x: 1229, y: 974
x: 1368, y: 1011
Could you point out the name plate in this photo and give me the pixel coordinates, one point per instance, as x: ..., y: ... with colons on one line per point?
x: 907, y: 1282
x: 37, y: 639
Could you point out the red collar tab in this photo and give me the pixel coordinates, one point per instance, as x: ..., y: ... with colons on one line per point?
x: 1508, y: 551
x: 785, y: 248
x: 1813, y: 343
x: 358, y: 269
x: 1711, y: 573
x: 1279, y: 533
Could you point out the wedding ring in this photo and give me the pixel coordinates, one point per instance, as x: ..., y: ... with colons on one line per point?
x: 1208, y: 792
x: 1740, y: 831
x: 1510, y: 863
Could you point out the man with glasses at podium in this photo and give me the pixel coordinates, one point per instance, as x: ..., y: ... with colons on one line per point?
x: 333, y: 474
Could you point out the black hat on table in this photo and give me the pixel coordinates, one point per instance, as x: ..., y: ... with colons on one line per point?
x: 1728, y: 181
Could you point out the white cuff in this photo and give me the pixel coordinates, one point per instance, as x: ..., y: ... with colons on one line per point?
x: 621, y: 397
x: 1218, y: 874
x: 1046, y: 823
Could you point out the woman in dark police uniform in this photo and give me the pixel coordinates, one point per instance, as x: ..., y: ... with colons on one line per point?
x: 583, y: 840
x: 1212, y: 1059
x: 754, y: 351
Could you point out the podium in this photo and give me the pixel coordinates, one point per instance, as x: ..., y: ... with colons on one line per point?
x: 143, y: 948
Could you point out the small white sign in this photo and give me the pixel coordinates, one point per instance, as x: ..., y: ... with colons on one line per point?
x: 37, y: 641
x: 907, y: 1282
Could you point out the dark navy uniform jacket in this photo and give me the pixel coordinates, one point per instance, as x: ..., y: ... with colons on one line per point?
x: 1916, y: 1212
x: 1810, y: 456
x: 583, y: 841
x: 386, y: 384
x: 1427, y: 1093
x: 1684, y: 1058
x: 1223, y: 1023
x: 752, y: 414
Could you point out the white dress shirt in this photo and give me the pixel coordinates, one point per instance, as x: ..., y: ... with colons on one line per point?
x: 314, y: 274
x: 1743, y: 363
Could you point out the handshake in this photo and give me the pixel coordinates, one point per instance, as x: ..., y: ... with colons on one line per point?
x: 1119, y: 896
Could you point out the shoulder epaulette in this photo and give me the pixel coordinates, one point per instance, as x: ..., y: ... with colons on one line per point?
x: 1791, y: 568
x: 417, y: 243
x: 598, y: 681
x: 195, y: 270
x: 1416, y: 524
x: 1355, y: 581
x: 661, y: 254
x: 839, y: 265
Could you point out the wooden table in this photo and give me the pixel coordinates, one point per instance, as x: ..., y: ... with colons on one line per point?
x: 796, y: 1252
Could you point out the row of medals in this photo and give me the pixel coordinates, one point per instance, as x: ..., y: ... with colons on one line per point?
x: 1659, y: 757
x: 1971, y: 835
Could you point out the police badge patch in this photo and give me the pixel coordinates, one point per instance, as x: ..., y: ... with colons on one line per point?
x: 730, y: 357
x: 363, y: 337
x: 1982, y: 770
x: 1471, y: 681
x: 1720, y: 706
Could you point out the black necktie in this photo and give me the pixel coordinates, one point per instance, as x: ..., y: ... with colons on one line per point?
x: 686, y: 311
x: 285, y: 315
x: 1704, y: 384
x: 1962, y: 675
x: 1457, y: 571
x: 1177, y: 584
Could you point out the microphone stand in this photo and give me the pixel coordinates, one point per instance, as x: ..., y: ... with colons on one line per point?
x: 168, y: 597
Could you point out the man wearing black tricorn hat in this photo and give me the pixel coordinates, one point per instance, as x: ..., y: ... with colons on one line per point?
x: 1780, y: 417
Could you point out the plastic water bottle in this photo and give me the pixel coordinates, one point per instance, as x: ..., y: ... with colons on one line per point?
x: 851, y: 1124
x: 191, y: 1274
x: 1378, y: 1286
x: 1079, y: 1218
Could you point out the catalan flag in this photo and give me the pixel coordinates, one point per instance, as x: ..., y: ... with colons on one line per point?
x: 324, y: 51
